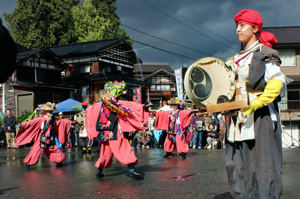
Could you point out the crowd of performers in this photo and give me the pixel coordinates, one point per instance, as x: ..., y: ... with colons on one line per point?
x: 253, y: 139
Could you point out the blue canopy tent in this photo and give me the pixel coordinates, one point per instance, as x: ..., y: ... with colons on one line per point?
x: 65, y: 106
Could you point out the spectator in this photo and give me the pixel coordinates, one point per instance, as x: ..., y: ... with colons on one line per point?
x: 2, y: 135
x: 222, y: 129
x: 207, y: 119
x: 60, y: 115
x: 72, y: 132
x: 10, y: 129
x: 136, y: 142
x: 151, y: 124
x: 197, y: 125
x: 212, y: 135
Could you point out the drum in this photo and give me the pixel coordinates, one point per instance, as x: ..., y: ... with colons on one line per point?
x: 207, y: 82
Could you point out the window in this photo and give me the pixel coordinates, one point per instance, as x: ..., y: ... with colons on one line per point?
x: 153, y: 87
x: 84, y: 69
x: 107, y: 69
x: 119, y: 68
x: 39, y: 76
x: 293, y: 99
x: 288, y: 57
x: 84, y: 90
x: 158, y: 87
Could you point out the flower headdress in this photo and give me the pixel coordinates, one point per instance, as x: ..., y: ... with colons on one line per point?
x: 175, y: 100
x: 40, y: 110
x: 111, y: 91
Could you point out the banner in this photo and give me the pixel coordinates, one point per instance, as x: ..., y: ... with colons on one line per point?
x: 179, y: 83
x: 138, y: 97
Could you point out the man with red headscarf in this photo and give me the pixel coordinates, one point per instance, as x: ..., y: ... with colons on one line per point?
x: 253, y: 146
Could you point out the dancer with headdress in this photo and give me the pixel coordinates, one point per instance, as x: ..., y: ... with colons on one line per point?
x: 253, y: 146
x: 110, y: 120
x: 175, y: 122
x: 48, y: 134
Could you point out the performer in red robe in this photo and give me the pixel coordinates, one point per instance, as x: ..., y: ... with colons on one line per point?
x: 47, y: 133
x: 175, y: 122
x: 108, y: 120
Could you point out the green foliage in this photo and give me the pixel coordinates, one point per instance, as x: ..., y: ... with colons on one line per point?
x: 1, y: 121
x: 97, y: 21
x: 23, y: 116
x: 36, y: 28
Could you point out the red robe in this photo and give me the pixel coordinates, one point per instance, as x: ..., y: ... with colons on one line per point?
x: 163, y: 122
x: 31, y: 132
x: 120, y: 148
x: 162, y: 119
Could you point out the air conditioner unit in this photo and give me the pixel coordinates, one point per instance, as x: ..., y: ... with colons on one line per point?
x: 173, y: 89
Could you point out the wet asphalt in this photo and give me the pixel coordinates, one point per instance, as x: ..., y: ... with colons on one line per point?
x: 201, y: 175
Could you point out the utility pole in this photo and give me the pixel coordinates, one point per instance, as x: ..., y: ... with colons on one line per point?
x: 3, y: 97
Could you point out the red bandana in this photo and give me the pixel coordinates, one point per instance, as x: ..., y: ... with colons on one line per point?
x: 253, y: 18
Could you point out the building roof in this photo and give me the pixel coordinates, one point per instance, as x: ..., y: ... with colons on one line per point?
x: 150, y: 67
x: 27, y: 54
x: 157, y: 72
x: 285, y: 35
x: 79, y: 78
x: 84, y: 47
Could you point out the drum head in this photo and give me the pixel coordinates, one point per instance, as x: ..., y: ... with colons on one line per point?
x: 207, y: 82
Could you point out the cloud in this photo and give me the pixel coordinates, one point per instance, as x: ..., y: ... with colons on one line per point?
x: 216, y: 15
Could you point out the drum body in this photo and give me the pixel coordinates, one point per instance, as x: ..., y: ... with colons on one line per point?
x: 207, y: 82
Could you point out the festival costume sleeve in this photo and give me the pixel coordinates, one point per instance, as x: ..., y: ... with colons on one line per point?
x: 62, y: 130
x: 270, y: 93
x: 162, y: 120
x: 135, y: 121
x: 186, y: 117
x: 90, y: 120
x: 29, y: 131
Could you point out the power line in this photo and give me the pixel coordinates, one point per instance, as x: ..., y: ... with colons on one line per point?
x: 161, y: 39
x: 203, y: 26
x: 187, y: 25
x: 167, y: 41
x: 120, y: 36
x: 201, y: 16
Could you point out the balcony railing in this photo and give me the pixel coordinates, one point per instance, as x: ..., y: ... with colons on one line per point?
x: 290, y: 104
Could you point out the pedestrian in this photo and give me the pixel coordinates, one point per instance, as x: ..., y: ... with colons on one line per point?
x: 111, y: 120
x: 84, y: 141
x: 71, y: 134
x: 151, y: 125
x: 197, y: 125
x: 10, y: 129
x: 47, y: 133
x: 253, y: 152
x: 60, y: 115
x: 175, y: 122
x: 2, y: 136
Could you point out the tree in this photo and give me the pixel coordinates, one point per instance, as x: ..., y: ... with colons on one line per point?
x: 88, y: 25
x: 35, y: 27
x: 104, y: 22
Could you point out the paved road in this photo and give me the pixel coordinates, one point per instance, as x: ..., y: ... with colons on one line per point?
x: 204, y: 171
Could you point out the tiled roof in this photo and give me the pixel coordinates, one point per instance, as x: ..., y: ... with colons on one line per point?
x: 83, y: 48
x: 100, y: 76
x: 26, y: 54
x: 285, y: 35
x: 150, y: 67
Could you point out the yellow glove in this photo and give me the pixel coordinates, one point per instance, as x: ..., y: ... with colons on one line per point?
x: 270, y: 93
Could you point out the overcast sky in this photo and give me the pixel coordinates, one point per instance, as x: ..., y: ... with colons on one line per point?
x: 201, y: 25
